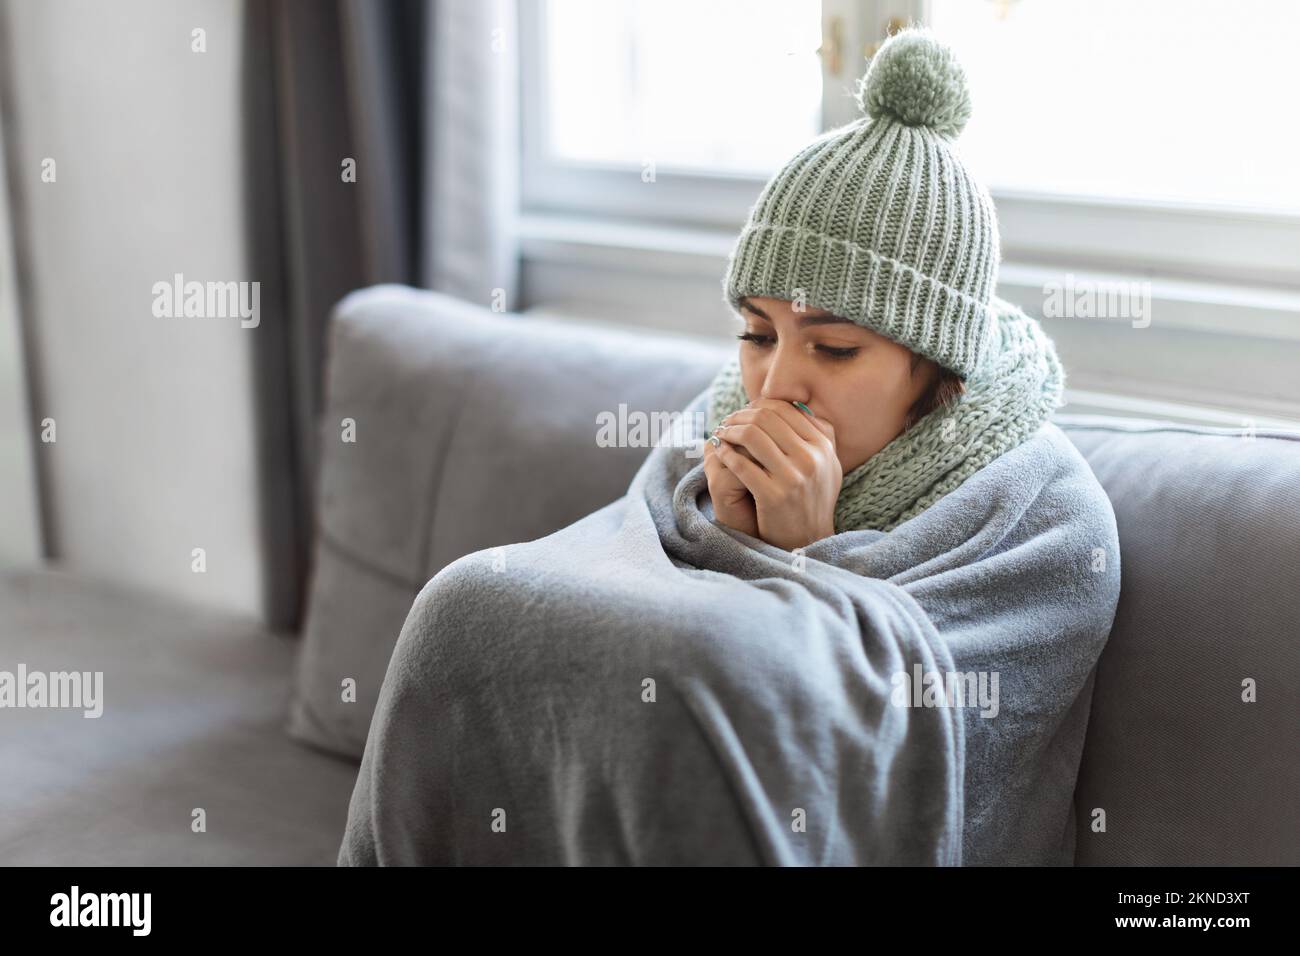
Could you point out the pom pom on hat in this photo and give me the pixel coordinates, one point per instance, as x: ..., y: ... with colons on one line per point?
x: 917, y: 80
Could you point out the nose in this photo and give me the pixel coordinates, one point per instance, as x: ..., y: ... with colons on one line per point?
x: 789, y: 374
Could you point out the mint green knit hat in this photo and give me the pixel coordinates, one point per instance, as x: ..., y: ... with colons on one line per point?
x: 880, y: 221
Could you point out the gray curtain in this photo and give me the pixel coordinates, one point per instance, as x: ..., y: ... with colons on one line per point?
x: 422, y: 94
x: 328, y: 81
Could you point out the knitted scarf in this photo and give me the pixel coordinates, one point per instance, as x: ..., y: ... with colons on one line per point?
x: 1006, y: 402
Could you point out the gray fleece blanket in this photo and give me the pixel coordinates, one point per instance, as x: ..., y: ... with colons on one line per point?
x: 646, y: 686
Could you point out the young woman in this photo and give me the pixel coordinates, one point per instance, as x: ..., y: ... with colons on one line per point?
x: 878, y: 646
x: 877, y: 369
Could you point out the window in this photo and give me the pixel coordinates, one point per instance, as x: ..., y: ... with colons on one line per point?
x: 704, y: 99
x: 731, y: 86
x: 1119, y: 134
x: 1123, y: 141
x: 1132, y: 99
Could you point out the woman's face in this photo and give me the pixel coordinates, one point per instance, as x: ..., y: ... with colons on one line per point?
x: 858, y: 380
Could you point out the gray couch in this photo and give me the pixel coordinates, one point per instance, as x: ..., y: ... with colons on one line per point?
x: 474, y: 430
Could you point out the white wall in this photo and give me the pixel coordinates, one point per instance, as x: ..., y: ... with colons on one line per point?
x: 155, y: 451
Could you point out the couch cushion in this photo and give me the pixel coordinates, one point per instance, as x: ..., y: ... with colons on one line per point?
x: 1209, y: 529
x: 472, y: 429
x: 193, y: 713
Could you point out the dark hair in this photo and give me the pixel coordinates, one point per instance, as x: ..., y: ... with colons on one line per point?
x: 947, y: 387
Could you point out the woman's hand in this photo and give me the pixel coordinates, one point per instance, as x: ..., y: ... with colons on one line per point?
x: 787, y: 462
x: 733, y: 505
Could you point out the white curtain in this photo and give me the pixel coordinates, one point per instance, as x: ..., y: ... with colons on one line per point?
x: 472, y: 145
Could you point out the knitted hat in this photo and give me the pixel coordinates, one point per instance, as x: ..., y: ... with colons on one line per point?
x: 880, y: 221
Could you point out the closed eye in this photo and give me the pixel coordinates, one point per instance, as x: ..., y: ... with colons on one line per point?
x: 836, y: 352
x: 831, y: 351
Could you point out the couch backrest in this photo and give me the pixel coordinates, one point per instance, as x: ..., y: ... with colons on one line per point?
x: 475, y: 429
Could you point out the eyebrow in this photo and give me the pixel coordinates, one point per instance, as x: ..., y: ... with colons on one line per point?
x: 817, y: 318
